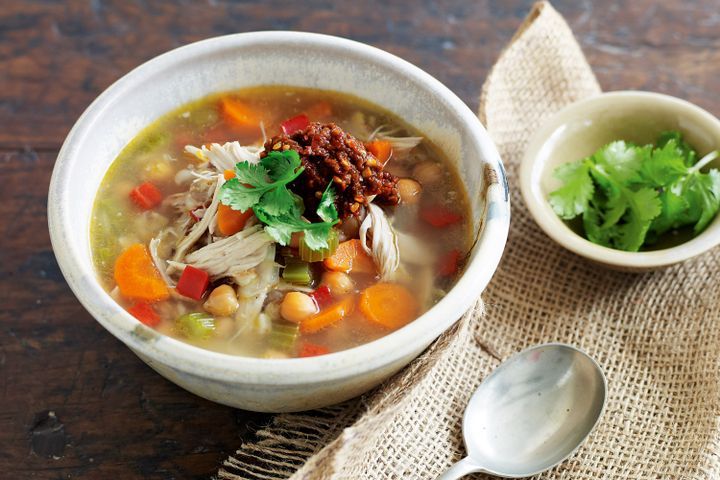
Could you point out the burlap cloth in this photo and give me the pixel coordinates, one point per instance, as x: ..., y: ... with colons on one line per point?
x: 657, y: 335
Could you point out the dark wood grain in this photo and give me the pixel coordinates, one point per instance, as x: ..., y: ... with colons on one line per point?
x: 112, y: 417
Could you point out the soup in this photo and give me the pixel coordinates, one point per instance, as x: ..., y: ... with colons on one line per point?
x: 279, y: 222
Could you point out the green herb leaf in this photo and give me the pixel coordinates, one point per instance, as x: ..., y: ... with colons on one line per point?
x: 238, y: 196
x: 327, y: 210
x: 572, y: 198
x: 263, y: 187
x: 622, y: 160
x: 628, y: 195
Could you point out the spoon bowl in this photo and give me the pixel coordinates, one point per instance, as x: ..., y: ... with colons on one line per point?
x: 532, y: 412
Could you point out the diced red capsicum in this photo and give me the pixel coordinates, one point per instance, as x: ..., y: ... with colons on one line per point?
x: 448, y: 263
x: 193, y: 283
x: 438, y: 216
x: 313, y: 350
x: 145, y: 313
x: 322, y: 296
x: 294, y: 124
x: 146, y: 196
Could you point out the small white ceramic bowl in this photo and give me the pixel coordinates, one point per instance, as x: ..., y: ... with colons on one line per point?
x: 262, y: 58
x: 582, y: 128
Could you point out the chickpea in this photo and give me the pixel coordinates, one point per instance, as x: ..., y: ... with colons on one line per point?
x: 222, y: 301
x: 339, y: 283
x: 409, y: 191
x: 159, y: 170
x: 297, y: 306
x: 428, y: 173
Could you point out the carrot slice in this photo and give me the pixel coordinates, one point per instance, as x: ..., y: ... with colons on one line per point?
x: 332, y: 314
x: 137, y: 277
x: 239, y: 114
x: 231, y: 221
x: 381, y: 149
x: 350, y: 257
x: 228, y: 175
x: 388, y: 304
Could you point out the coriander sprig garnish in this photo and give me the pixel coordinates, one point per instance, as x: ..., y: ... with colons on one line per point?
x: 628, y: 195
x: 263, y: 187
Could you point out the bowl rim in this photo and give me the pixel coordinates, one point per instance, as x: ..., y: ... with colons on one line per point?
x: 226, y: 367
x: 556, y: 229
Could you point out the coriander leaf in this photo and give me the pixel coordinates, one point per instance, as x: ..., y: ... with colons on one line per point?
x: 623, y: 160
x: 253, y: 174
x: 317, y: 237
x: 592, y: 224
x: 686, y: 151
x: 643, y: 207
x: 702, y: 191
x: 572, y: 198
x: 672, y: 214
x: 278, y: 200
x: 326, y: 209
x: 282, y: 166
x: 238, y: 196
x: 665, y: 165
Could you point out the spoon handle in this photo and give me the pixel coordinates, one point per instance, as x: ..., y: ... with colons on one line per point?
x: 460, y: 469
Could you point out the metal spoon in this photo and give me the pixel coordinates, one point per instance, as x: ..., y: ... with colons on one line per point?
x: 531, y: 413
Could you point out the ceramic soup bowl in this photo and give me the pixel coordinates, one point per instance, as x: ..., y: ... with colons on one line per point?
x: 265, y: 58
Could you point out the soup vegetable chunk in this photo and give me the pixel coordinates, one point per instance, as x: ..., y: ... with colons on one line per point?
x: 278, y: 222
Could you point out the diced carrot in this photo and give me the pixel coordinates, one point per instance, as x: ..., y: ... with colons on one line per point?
x: 228, y: 174
x: 231, y: 221
x: 350, y: 257
x: 239, y: 114
x: 438, y: 216
x: 312, y: 350
x: 136, y: 275
x: 328, y: 316
x: 145, y: 313
x: 146, y: 196
x: 388, y: 304
x: 448, y: 264
x: 193, y: 282
x: 381, y: 150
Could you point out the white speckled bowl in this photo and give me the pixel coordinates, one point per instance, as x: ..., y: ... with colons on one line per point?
x: 262, y: 58
x: 581, y: 129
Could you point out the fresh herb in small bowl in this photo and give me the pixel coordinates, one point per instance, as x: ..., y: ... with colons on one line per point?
x: 629, y: 195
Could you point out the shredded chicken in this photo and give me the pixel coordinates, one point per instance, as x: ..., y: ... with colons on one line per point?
x: 252, y: 295
x: 384, y: 247
x: 224, y: 157
x: 200, y: 227
x: 160, y: 264
x: 399, y: 144
x: 231, y: 255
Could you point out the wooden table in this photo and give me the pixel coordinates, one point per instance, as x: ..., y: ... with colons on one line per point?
x: 112, y: 417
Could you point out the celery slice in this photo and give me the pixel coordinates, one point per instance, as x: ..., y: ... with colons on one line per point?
x: 283, y: 335
x: 196, y: 325
x: 310, y: 255
x: 297, y: 272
